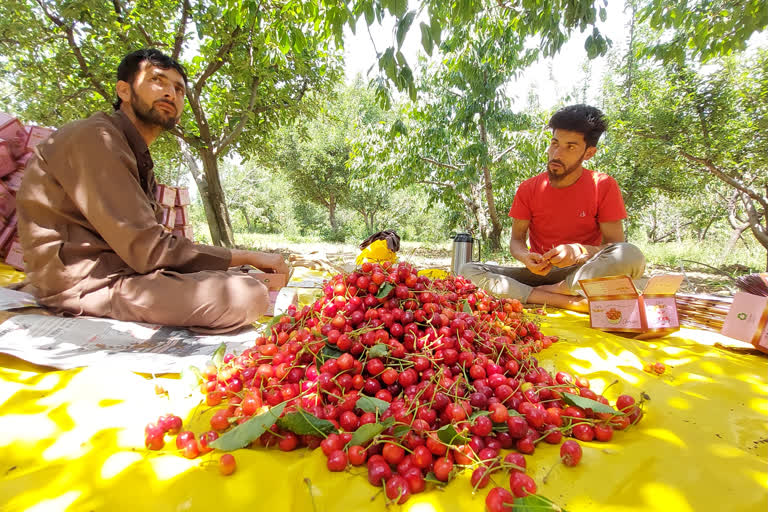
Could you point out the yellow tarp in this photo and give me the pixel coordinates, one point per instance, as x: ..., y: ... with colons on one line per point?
x: 73, y: 440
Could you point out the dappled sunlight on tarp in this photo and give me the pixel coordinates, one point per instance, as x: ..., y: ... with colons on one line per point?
x: 55, y: 504
x: 74, y: 440
x: 659, y: 496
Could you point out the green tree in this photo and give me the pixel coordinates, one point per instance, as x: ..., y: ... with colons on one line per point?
x: 250, y: 65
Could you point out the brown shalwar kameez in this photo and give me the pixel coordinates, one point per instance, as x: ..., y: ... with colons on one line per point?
x: 93, y: 244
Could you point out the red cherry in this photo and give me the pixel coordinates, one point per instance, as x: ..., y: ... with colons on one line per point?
x: 521, y: 484
x: 499, y: 500
x: 227, y: 464
x: 570, y: 452
x: 337, y: 461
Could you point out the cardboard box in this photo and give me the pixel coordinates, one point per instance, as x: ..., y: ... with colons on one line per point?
x: 165, y: 195
x: 168, y: 216
x: 36, y: 135
x: 747, y: 320
x: 21, y: 162
x: 8, y: 232
x: 279, y: 301
x: 184, y: 232
x: 272, y: 281
x: 13, y: 181
x: 7, y: 162
x: 182, y: 196
x: 13, y: 131
x: 7, y: 202
x: 15, y: 256
x: 181, y: 215
x: 616, y: 305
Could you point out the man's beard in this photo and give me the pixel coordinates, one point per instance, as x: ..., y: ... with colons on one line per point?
x: 150, y: 115
x: 555, y: 178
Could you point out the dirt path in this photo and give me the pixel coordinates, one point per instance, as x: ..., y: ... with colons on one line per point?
x: 343, y: 255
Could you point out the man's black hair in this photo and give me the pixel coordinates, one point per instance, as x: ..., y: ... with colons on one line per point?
x: 589, y: 121
x: 130, y: 64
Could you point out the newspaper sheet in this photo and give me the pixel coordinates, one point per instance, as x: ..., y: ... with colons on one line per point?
x: 12, y: 299
x: 66, y: 343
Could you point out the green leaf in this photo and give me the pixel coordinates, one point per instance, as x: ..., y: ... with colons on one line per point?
x: 403, y: 26
x: 588, y: 403
x: 401, y: 430
x: 426, y: 38
x: 191, y: 377
x: 329, y: 352
x: 467, y: 308
x: 388, y: 64
x: 397, y: 7
x: 371, y: 404
x: 273, y: 321
x: 398, y: 128
x: 430, y: 477
x: 478, y: 413
x: 450, y: 436
x: 535, y: 503
x: 218, y: 355
x: 243, y: 434
x: 435, y: 30
x: 378, y: 350
x: 304, y: 423
x: 370, y: 430
x: 384, y: 290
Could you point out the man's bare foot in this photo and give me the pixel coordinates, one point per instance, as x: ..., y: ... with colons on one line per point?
x: 559, y: 288
x: 559, y: 300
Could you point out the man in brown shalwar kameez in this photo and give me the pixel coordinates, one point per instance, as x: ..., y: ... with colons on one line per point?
x: 89, y: 224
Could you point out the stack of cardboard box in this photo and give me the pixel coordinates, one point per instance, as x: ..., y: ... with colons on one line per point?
x: 16, y: 145
x: 174, y: 202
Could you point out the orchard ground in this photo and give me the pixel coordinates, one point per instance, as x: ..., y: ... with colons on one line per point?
x: 704, y: 272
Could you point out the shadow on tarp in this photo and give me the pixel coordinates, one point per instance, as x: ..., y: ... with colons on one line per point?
x: 73, y: 440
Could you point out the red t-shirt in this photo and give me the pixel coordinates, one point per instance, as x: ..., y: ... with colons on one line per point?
x: 567, y: 215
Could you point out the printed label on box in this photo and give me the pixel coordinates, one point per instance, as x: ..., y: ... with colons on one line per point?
x: 747, y: 319
x: 37, y: 134
x: 7, y: 163
x: 13, y: 131
x: 165, y: 195
x: 608, y: 286
x: 15, y: 256
x: 615, y: 314
x: 7, y: 202
x: 182, y: 196
x: 661, y: 312
x: 13, y: 180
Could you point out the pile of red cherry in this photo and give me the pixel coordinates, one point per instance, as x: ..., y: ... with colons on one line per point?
x: 415, y: 378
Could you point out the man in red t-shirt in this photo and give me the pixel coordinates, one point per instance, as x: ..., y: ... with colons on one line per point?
x: 572, y: 218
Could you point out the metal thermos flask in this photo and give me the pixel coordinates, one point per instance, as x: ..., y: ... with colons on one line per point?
x: 462, y: 251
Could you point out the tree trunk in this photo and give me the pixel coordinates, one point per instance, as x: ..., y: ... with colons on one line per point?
x: 197, y: 175
x: 218, y: 220
x: 494, y: 234
x: 247, y: 219
x: 332, y: 213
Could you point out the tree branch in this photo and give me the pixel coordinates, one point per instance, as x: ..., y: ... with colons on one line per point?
x: 441, y: 164
x: 437, y: 183
x: 179, y: 40
x: 724, y: 177
x: 227, y: 139
x: 76, y: 50
x: 503, y: 154
x: 121, y: 17
x: 216, y: 62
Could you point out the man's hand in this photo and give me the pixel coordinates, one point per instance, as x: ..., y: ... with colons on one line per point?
x: 536, y: 263
x: 265, y: 261
x: 564, y: 255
